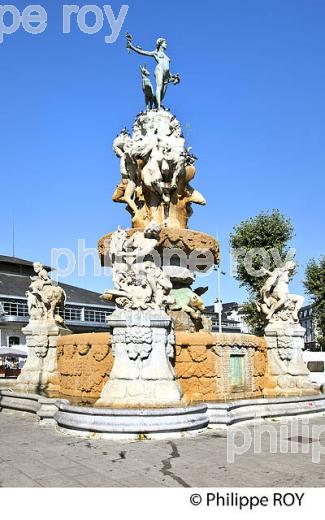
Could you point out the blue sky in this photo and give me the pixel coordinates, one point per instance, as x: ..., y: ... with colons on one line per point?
x: 252, y: 97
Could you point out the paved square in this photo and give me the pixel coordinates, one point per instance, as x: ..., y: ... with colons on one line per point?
x: 35, y: 455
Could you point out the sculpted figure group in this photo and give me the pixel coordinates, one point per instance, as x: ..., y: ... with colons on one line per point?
x: 43, y: 297
x: 155, y: 165
x: 276, y: 301
x: 156, y: 169
x: 139, y: 282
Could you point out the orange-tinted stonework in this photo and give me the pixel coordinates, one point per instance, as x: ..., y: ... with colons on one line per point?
x: 84, y: 363
x: 203, y: 365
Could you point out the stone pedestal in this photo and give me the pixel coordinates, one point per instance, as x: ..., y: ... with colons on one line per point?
x: 288, y: 374
x: 142, y: 375
x: 40, y: 371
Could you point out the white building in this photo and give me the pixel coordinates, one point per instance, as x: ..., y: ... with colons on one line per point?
x: 84, y: 310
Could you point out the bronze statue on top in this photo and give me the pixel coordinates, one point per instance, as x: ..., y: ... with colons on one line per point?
x: 162, y: 72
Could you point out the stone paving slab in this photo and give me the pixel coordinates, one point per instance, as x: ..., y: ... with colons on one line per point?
x: 36, y: 455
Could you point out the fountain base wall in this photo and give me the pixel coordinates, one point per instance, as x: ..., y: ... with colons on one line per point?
x: 209, y: 366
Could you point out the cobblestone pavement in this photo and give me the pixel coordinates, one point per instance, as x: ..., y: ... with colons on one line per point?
x: 34, y: 455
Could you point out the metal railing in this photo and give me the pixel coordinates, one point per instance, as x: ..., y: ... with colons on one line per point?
x: 14, y: 308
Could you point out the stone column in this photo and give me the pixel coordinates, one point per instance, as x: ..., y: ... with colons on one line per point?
x: 287, y: 371
x: 40, y: 374
x: 142, y: 375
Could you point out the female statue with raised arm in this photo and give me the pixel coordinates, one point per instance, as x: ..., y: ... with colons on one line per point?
x: 162, y: 72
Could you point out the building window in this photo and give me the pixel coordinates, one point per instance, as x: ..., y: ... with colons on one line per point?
x: 91, y: 315
x: 70, y: 313
x: 96, y: 315
x: 15, y: 307
x: 13, y: 340
x: 315, y: 366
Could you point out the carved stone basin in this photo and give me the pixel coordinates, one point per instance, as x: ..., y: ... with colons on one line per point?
x: 194, y: 244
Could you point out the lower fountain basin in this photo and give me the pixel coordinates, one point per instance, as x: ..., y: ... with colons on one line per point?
x: 151, y: 423
x: 139, y: 422
x: 133, y: 423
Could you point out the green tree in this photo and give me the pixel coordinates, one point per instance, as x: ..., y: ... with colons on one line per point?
x: 260, y: 241
x: 315, y: 285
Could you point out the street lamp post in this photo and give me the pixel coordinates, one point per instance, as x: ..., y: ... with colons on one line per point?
x: 218, y: 302
x: 219, y: 299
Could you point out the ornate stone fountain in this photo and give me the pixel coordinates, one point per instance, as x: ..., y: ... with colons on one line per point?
x: 155, y: 262
x: 159, y: 369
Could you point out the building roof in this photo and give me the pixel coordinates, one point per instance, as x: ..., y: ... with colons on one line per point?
x: 12, y: 264
x: 15, y: 286
x: 14, y: 283
x: 15, y: 260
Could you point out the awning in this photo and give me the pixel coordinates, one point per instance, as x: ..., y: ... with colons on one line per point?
x: 14, y: 352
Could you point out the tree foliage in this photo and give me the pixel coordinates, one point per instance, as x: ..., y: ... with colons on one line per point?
x: 254, y: 319
x: 315, y: 285
x: 260, y: 241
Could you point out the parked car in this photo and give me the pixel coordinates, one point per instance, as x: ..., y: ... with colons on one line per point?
x: 315, y: 362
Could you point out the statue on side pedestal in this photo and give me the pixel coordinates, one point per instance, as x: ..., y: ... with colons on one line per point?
x: 43, y: 297
x: 288, y: 374
x: 45, y: 326
x: 276, y: 301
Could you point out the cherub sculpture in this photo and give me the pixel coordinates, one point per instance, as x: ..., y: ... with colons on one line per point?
x: 162, y: 72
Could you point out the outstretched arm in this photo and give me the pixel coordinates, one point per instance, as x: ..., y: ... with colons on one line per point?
x: 134, y: 48
x: 141, y: 51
